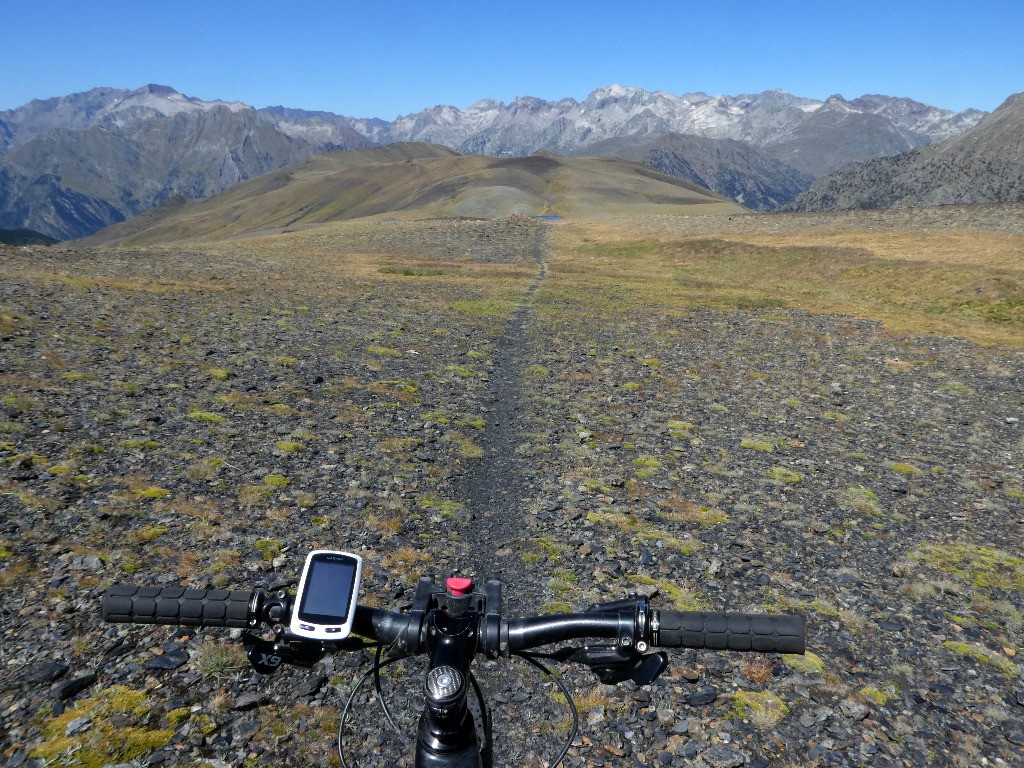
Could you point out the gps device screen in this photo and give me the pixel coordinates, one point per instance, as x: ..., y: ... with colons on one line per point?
x: 327, y: 595
x: 328, y: 590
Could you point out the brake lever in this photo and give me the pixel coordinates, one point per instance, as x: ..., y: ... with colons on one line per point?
x: 613, y: 664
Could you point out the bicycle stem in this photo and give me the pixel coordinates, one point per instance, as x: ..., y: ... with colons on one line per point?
x: 447, y: 735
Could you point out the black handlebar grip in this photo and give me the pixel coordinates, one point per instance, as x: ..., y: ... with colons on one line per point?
x: 731, y: 631
x: 127, y: 603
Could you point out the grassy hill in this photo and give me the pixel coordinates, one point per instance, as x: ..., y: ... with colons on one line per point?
x: 421, y: 181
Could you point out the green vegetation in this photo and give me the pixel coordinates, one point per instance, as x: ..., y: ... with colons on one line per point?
x: 678, y: 596
x: 904, y: 469
x: 207, y: 416
x: 139, y: 444
x: 444, y: 507
x: 152, y: 492
x: 763, y: 709
x: 682, y: 546
x: 494, y: 308
x: 880, y: 696
x: 910, y: 280
x: 220, y: 659
x: 682, y: 510
x: 984, y: 655
x: 648, y: 462
x: 644, y: 419
x: 268, y: 548
x: 536, y: 372
x: 810, y: 663
x: 557, y: 606
x: 375, y: 349
x: 149, y: 533
x: 862, y: 500
x: 764, y: 443
x: 784, y: 475
x: 984, y: 567
x: 254, y: 495
x: 113, y: 732
x: 467, y: 448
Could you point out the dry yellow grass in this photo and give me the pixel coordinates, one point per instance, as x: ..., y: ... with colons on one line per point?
x: 966, y: 283
x: 956, y: 279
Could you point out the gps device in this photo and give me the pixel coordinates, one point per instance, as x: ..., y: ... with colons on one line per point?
x: 326, y: 600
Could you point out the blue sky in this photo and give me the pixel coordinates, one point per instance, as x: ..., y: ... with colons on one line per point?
x: 392, y: 57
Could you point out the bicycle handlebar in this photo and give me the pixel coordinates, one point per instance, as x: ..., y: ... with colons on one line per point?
x: 665, y: 628
x: 132, y: 604
x: 730, y: 631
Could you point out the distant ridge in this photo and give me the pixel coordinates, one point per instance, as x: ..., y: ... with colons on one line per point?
x: 732, y: 168
x: 984, y: 165
x: 25, y: 237
x: 417, y: 180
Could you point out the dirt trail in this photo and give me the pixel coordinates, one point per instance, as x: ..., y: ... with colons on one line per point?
x: 497, y: 489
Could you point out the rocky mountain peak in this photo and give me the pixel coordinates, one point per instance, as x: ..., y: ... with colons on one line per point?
x: 983, y: 165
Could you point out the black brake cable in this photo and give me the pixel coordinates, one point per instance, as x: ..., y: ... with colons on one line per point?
x: 377, y: 687
x: 375, y: 670
x: 532, y: 658
x: 485, y: 712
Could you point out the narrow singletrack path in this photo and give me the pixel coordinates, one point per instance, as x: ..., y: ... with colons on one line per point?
x: 496, y: 488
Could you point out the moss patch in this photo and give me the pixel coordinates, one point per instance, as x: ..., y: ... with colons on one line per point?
x: 984, y: 567
x: 268, y: 548
x: 879, y: 696
x: 984, y: 655
x: 207, y: 416
x: 104, y: 739
x: 763, y: 443
x: 680, y: 597
x: 809, y: 663
x: 904, y: 469
x: 862, y: 500
x: 783, y: 475
x: 763, y: 709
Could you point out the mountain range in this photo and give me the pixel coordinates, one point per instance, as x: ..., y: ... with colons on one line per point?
x: 72, y: 165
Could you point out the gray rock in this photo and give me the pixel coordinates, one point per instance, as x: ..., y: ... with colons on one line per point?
x: 66, y: 690
x: 721, y: 756
x: 704, y: 696
x: 248, y: 701
x: 854, y: 710
x: 169, y: 660
x: 90, y: 563
x: 46, y: 672
x: 312, y: 686
x: 1013, y: 730
x: 78, y: 725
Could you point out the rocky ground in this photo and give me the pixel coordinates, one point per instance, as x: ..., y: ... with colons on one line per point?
x: 174, y: 417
